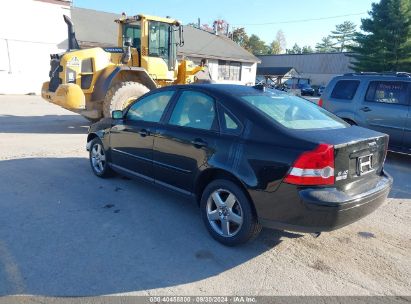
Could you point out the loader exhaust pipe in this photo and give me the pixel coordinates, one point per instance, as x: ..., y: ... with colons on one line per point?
x: 72, y: 41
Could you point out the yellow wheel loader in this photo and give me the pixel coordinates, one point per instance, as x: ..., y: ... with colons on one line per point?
x: 95, y: 81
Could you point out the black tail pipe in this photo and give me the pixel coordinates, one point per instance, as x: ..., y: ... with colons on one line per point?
x: 72, y: 41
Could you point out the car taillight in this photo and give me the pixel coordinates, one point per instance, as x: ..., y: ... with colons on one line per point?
x: 320, y: 102
x: 313, y: 167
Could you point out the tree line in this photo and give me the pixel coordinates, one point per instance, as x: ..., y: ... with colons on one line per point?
x: 382, y: 44
x: 340, y: 40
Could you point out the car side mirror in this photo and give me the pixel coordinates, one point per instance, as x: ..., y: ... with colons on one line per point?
x: 117, y: 114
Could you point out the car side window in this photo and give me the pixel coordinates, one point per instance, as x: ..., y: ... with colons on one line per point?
x: 194, y: 110
x: 393, y: 92
x: 150, y: 108
x: 345, y: 89
x: 229, y: 123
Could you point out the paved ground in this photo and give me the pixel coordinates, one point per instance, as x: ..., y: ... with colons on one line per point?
x: 65, y: 232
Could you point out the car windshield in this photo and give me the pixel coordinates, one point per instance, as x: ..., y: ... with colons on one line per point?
x: 293, y: 112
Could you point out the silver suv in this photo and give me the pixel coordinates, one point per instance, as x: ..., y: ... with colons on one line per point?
x: 381, y: 102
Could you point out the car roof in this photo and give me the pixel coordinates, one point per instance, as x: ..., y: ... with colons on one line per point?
x: 399, y: 76
x: 226, y: 89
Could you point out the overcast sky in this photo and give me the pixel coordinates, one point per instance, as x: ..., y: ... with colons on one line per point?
x: 262, y: 17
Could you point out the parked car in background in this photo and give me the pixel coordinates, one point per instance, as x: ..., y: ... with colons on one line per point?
x: 249, y: 156
x: 306, y: 90
x: 377, y: 101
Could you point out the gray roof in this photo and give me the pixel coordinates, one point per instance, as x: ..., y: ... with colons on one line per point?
x: 95, y: 27
x: 315, y: 63
x: 203, y: 44
x: 273, y: 71
x: 99, y: 29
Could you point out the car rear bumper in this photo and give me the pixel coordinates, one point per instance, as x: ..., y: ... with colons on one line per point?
x: 327, y: 209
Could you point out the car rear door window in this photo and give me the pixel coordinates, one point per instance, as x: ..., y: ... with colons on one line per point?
x: 194, y: 110
x: 392, y: 92
x: 345, y: 89
x: 150, y: 108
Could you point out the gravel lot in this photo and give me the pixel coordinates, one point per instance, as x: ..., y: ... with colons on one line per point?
x: 65, y: 232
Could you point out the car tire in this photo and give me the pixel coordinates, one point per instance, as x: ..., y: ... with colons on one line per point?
x: 228, y: 214
x: 98, y: 159
x: 120, y: 95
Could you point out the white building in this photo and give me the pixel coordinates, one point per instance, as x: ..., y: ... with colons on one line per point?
x: 227, y: 61
x: 30, y: 30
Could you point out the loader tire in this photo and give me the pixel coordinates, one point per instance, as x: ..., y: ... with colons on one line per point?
x: 121, y: 94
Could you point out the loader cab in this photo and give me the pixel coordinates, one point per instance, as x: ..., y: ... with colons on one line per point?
x: 133, y: 31
x: 161, y: 42
x: 154, y: 40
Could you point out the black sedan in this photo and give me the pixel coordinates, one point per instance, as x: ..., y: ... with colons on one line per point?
x: 250, y: 157
x: 306, y: 89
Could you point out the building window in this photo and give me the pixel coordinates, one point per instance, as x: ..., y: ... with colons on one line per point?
x: 229, y: 70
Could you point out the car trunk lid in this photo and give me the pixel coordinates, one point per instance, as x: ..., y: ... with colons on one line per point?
x: 359, y: 153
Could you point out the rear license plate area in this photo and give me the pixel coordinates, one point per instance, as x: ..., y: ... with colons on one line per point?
x: 365, y: 164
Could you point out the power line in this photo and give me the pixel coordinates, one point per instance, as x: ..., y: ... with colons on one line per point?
x: 301, y: 20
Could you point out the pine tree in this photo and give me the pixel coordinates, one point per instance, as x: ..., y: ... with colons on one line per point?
x: 344, y: 35
x: 257, y: 46
x: 307, y: 49
x: 326, y: 45
x: 385, y: 44
x: 240, y: 36
x: 295, y: 50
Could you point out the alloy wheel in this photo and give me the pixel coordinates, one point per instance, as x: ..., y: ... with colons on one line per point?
x: 224, y: 213
x: 98, y: 158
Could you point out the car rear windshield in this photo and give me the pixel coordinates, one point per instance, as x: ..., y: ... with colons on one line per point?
x: 293, y: 112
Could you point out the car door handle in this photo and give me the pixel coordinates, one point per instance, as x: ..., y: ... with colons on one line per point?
x: 144, y: 132
x: 198, y: 143
x: 366, y: 109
